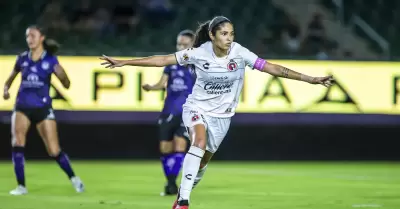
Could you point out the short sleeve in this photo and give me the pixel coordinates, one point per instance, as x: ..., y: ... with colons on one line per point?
x: 252, y: 60
x: 53, y: 62
x: 186, y: 57
x: 167, y: 70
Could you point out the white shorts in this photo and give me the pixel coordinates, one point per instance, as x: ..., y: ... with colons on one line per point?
x: 216, y: 128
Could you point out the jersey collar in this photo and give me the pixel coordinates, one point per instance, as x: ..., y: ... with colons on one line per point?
x: 41, y: 56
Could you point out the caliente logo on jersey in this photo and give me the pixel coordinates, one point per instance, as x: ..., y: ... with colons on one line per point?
x: 218, y: 88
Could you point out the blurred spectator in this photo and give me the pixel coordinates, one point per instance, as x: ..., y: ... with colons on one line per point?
x: 83, y: 12
x: 52, y: 17
x: 260, y: 41
x: 347, y: 54
x: 291, y: 36
x: 87, y: 19
x: 392, y: 33
x: 316, y: 30
x: 126, y: 15
x: 322, y: 53
x: 157, y: 11
x: 99, y: 22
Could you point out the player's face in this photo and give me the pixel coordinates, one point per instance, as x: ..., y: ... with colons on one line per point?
x: 183, y: 42
x: 33, y: 38
x: 224, y: 36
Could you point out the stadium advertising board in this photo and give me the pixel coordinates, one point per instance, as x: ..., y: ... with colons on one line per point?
x: 361, y: 88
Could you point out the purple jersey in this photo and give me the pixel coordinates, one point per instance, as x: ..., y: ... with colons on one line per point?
x: 35, y: 80
x: 180, y: 84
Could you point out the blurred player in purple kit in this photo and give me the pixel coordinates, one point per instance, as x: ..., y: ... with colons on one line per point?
x: 173, y: 135
x: 34, y: 105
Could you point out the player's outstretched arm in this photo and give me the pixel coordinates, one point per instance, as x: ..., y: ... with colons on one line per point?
x: 62, y: 76
x: 158, y: 86
x: 152, y: 61
x: 9, y: 81
x: 281, y: 71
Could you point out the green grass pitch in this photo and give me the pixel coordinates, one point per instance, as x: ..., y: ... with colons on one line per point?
x: 236, y: 185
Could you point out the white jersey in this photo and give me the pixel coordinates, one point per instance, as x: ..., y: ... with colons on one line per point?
x: 219, y: 81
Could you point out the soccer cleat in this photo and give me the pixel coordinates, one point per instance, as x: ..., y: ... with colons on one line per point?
x: 182, y: 204
x: 175, y: 204
x: 77, y: 184
x: 170, y: 189
x: 182, y: 207
x: 20, y: 190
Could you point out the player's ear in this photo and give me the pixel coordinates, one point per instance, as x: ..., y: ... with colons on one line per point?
x: 212, y: 37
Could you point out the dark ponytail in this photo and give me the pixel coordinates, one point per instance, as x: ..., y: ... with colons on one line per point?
x: 50, y: 45
x: 212, y: 26
x: 202, y: 34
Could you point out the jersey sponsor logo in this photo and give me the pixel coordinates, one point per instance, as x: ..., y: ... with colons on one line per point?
x: 218, y: 88
x: 232, y: 65
x: 32, y: 81
x: 32, y: 77
x: 178, y: 84
x: 206, y: 65
x: 219, y: 78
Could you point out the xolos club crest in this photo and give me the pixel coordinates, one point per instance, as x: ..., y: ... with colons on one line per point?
x: 232, y: 65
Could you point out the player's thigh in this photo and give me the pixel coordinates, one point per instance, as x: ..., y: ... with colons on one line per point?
x: 166, y: 133
x: 181, y: 137
x: 47, y: 128
x: 20, y: 124
x: 180, y: 144
x: 196, y: 127
x: 217, y: 130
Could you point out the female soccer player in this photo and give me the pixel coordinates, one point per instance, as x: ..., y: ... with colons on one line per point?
x: 34, y: 106
x: 220, y: 65
x: 173, y: 134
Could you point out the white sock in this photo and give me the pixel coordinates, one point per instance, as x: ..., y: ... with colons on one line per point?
x: 191, y: 165
x: 199, y: 176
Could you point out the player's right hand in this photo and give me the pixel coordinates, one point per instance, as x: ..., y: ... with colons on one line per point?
x: 110, y: 62
x: 146, y: 87
x: 6, y: 95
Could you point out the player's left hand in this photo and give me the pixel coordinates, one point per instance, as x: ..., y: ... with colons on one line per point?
x: 326, y: 81
x: 110, y: 62
x: 146, y: 87
x: 6, y: 95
